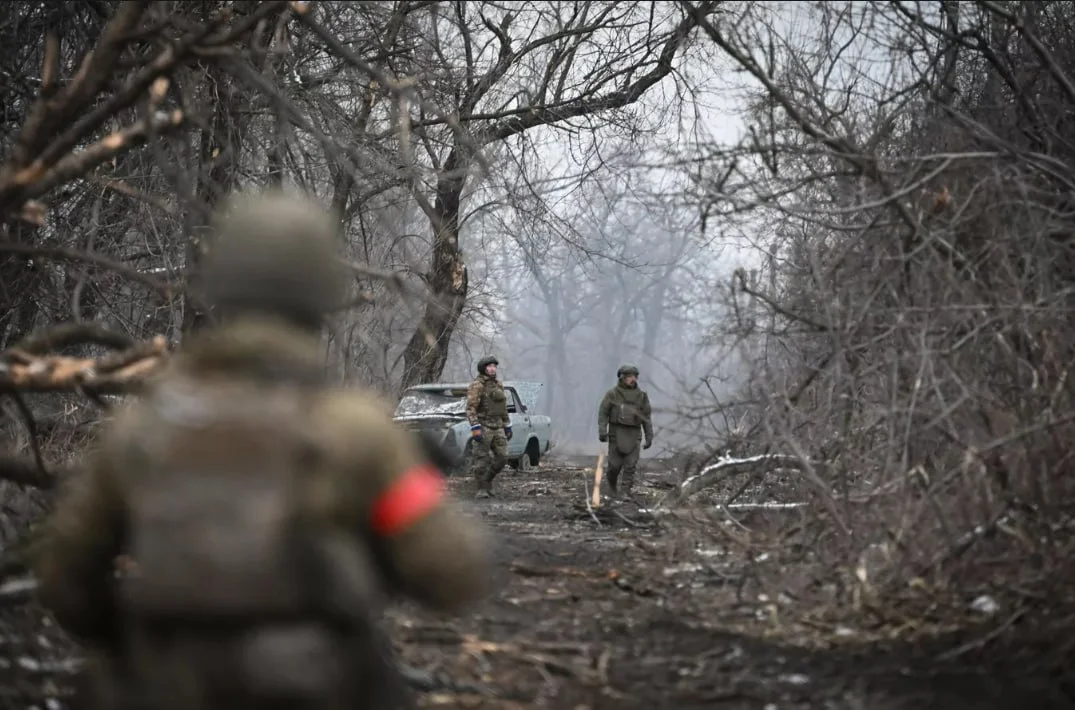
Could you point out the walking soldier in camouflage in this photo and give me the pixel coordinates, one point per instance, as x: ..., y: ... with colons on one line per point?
x: 622, y: 417
x: 490, y: 426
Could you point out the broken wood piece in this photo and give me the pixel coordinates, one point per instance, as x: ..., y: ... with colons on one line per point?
x: 117, y: 373
x: 597, y: 474
x: 728, y: 466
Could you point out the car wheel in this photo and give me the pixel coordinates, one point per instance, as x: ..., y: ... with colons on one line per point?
x: 525, y: 465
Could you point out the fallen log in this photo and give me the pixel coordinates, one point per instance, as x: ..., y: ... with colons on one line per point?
x: 726, y: 467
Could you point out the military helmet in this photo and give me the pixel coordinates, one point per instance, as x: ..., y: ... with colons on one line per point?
x: 274, y: 252
x: 487, y: 360
x: 627, y: 370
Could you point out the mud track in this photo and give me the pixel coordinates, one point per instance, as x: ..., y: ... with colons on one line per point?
x: 614, y: 616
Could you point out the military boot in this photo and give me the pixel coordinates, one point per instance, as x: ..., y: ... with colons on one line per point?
x: 485, y: 489
x: 627, y: 487
x: 612, y: 485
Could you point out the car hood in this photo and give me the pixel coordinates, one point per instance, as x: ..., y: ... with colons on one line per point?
x: 428, y: 416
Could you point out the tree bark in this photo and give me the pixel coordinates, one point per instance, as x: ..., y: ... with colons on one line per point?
x: 427, y: 351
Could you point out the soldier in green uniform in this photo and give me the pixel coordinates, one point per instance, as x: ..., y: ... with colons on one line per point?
x: 490, y: 426
x: 623, y: 416
x: 266, y: 511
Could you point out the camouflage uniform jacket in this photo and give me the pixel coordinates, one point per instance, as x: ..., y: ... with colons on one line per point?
x: 625, y: 407
x: 487, y: 403
x: 437, y: 558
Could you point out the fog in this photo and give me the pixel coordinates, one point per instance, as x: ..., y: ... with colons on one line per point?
x: 617, y: 271
x: 589, y: 250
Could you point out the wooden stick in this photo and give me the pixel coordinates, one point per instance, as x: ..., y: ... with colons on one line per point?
x: 597, y: 473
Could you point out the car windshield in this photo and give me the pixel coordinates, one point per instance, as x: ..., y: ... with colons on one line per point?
x: 415, y: 402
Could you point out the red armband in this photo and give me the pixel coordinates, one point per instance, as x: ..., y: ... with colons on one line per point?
x: 407, y: 500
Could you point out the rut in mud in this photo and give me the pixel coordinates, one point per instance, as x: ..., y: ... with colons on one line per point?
x: 607, y: 615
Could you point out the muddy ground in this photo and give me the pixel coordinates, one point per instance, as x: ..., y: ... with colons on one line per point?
x: 641, y: 611
x: 622, y: 615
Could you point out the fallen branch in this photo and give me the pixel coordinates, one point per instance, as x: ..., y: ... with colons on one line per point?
x: 118, y: 373
x: 728, y: 466
x: 596, y: 496
x: 598, y: 471
x: 26, y: 368
x: 771, y: 505
x: 609, y: 514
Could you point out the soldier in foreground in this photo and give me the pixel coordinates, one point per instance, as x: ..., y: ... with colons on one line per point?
x: 265, y: 512
x: 622, y: 417
x: 490, y: 426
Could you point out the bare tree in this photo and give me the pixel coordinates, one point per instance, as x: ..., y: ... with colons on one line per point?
x: 499, y: 75
x: 911, y: 169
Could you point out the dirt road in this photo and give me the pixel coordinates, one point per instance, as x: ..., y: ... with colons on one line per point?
x: 614, y: 616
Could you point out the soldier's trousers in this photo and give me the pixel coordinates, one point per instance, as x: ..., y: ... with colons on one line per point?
x: 624, y: 448
x: 488, y: 456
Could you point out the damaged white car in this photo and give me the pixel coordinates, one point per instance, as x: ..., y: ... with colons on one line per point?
x: 439, y: 409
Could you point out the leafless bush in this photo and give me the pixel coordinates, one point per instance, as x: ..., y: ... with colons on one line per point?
x: 909, y: 322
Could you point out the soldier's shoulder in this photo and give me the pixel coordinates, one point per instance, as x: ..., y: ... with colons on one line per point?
x: 353, y: 410
x: 476, y: 385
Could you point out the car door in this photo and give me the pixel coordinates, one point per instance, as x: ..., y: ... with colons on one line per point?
x: 520, y: 424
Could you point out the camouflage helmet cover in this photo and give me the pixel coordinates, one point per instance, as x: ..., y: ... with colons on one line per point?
x: 627, y: 370
x: 487, y: 360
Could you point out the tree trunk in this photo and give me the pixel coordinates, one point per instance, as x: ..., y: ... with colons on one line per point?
x: 427, y: 352
x: 554, y: 348
x: 653, y: 319
x: 219, y: 159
